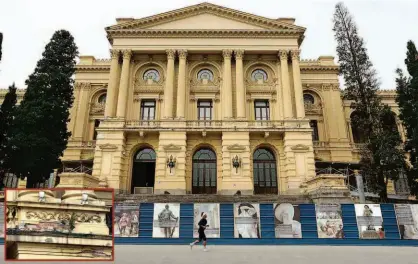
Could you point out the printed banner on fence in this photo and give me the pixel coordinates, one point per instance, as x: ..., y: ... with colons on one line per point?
x: 212, y: 217
x: 126, y: 222
x: 329, y: 221
x: 247, y: 220
x: 370, y: 221
x: 407, y: 217
x: 166, y: 221
x: 287, y: 221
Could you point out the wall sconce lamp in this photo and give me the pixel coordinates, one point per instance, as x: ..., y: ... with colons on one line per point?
x: 42, y: 198
x: 236, y: 162
x: 84, y: 198
x: 171, y: 162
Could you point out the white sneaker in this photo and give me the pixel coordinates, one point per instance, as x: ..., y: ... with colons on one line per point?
x: 191, y: 246
x: 205, y: 249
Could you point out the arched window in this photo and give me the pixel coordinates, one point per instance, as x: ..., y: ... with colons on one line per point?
x: 152, y: 74
x: 204, y: 178
x: 205, y: 74
x: 102, y: 99
x: 265, y: 172
x: 144, y: 155
x: 308, y: 99
x: 259, y: 74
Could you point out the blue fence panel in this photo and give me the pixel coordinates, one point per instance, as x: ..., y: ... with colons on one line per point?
x: 349, y: 221
x: 389, y: 221
x: 146, y: 214
x: 227, y: 220
x: 186, y: 220
x: 267, y: 221
x: 308, y: 221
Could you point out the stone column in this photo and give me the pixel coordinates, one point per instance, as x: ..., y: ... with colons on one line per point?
x: 227, y: 85
x: 112, y: 90
x: 287, y: 98
x: 168, y: 91
x: 181, y: 92
x: 82, y: 111
x: 124, y: 84
x: 240, y: 92
x: 73, y: 111
x: 297, y: 84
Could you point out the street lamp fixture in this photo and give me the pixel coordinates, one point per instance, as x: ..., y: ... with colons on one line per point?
x: 236, y: 163
x: 171, y: 162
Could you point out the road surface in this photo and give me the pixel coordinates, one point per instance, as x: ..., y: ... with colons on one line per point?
x: 261, y: 254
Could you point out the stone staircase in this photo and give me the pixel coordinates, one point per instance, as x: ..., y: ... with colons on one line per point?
x: 211, y: 198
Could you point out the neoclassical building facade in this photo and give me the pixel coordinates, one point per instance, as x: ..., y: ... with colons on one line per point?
x: 207, y: 99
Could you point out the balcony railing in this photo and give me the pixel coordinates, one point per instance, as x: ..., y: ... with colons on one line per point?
x: 216, y: 124
x: 82, y: 144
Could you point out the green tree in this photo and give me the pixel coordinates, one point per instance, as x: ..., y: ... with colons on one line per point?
x: 407, y: 99
x: 7, y: 112
x: 39, y: 132
x: 380, y: 155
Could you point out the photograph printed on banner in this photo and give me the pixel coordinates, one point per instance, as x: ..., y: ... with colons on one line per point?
x: 369, y: 221
x: 126, y: 222
x: 287, y: 221
x: 329, y: 221
x: 407, y: 217
x: 166, y: 221
x: 213, y: 218
x: 247, y: 220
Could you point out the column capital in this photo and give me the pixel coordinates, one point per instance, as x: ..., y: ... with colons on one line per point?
x: 182, y: 54
x: 170, y: 54
x: 227, y: 53
x: 114, y: 53
x: 283, y: 54
x: 295, y: 54
x: 127, y: 54
x: 239, y: 54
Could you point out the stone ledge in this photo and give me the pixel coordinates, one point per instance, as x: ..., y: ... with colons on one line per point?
x: 54, y: 238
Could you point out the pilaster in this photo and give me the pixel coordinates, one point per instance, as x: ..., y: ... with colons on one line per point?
x: 171, y: 180
x: 227, y: 85
x: 300, y: 163
x: 297, y: 84
x: 240, y: 89
x: 181, y: 92
x: 236, y: 144
x: 124, y: 84
x: 113, y: 89
x: 82, y: 111
x: 284, y: 74
x: 169, y: 86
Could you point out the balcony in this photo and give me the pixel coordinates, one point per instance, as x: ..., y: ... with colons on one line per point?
x: 218, y: 125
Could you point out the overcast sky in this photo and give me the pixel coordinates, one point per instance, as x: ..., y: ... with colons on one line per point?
x: 27, y: 26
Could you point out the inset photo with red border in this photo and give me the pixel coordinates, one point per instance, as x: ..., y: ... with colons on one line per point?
x: 59, y: 224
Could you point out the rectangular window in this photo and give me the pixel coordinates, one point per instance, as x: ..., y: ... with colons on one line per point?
x: 96, y: 125
x: 314, y: 126
x: 148, y: 110
x: 262, y: 110
x: 204, y: 110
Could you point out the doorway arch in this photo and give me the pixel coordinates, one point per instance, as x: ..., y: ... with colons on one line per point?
x: 264, y: 172
x: 204, y: 179
x: 143, y: 171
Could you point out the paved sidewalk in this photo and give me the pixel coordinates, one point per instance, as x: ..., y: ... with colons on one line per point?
x: 262, y: 254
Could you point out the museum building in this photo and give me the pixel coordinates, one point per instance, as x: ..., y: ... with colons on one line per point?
x: 210, y: 100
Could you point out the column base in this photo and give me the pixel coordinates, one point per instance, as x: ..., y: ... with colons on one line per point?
x: 77, y: 180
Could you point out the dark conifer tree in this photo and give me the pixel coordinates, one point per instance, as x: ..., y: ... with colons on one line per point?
x: 39, y: 134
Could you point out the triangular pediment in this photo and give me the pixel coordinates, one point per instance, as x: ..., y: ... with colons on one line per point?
x: 205, y: 16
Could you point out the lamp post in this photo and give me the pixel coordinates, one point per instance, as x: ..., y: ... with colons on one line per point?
x: 171, y: 162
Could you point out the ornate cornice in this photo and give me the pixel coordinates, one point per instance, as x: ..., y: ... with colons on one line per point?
x: 171, y: 54
x: 239, y: 54
x: 199, y: 33
x: 82, y: 86
x: 182, y: 54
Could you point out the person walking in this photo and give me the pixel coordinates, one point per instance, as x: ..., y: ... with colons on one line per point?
x: 202, y: 226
